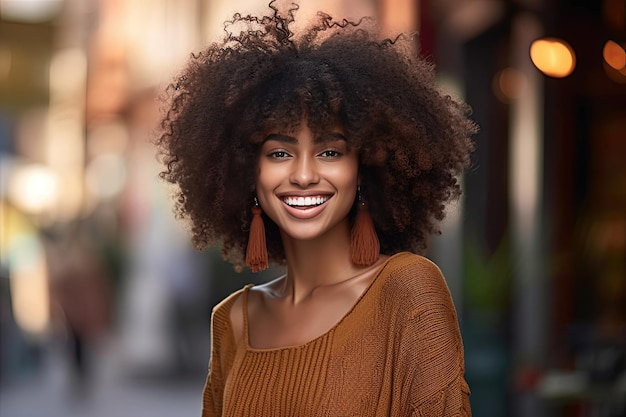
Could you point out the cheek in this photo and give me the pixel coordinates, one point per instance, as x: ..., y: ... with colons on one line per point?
x: 348, y: 175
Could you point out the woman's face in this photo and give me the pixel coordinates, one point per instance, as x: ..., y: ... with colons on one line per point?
x: 307, y: 185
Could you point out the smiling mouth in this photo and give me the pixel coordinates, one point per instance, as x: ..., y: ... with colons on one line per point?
x: 305, y: 202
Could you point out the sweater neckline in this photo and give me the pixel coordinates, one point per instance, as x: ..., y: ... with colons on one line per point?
x: 246, y: 332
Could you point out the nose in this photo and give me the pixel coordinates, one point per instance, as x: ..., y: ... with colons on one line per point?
x: 304, y: 171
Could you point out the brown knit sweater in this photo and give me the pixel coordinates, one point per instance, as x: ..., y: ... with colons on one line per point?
x: 398, y: 352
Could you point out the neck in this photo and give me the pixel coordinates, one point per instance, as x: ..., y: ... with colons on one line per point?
x: 319, y: 262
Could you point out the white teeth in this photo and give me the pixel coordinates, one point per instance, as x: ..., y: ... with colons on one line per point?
x: 304, y: 201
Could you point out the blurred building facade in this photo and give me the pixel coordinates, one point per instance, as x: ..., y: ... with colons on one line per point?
x: 534, y: 254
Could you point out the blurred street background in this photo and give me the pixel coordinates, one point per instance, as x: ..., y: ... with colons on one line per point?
x: 105, y: 307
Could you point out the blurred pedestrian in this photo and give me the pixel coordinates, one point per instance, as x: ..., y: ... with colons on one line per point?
x: 80, y: 292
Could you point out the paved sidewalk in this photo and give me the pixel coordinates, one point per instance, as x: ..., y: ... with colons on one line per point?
x: 110, y: 393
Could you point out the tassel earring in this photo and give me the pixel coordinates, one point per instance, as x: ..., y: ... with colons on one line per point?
x: 365, y: 245
x: 256, y: 251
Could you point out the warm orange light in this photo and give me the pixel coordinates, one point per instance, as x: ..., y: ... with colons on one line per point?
x: 614, y: 55
x: 554, y: 57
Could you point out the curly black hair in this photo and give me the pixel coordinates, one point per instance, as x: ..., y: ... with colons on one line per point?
x: 413, y: 140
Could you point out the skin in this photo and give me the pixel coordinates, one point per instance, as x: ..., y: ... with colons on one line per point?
x: 322, y: 284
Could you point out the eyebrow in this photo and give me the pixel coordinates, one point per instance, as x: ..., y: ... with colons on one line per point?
x: 328, y: 136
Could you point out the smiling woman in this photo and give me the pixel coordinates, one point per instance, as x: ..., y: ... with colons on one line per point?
x: 331, y: 152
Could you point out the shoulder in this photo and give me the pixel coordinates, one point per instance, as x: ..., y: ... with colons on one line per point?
x: 409, y: 261
x: 415, y: 282
x: 407, y: 271
x: 228, y: 314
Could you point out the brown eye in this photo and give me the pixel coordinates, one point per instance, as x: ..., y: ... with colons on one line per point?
x: 330, y: 153
x: 278, y: 155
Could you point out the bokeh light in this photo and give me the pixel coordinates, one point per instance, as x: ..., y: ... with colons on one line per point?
x: 30, y: 11
x: 553, y: 57
x: 614, y: 55
x: 34, y: 188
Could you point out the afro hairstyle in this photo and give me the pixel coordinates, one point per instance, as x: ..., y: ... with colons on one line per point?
x: 413, y: 140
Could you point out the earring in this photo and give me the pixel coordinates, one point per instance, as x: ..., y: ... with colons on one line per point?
x: 256, y: 251
x: 365, y: 245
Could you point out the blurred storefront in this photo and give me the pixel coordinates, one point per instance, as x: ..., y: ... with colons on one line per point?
x: 535, y: 254
x: 544, y: 253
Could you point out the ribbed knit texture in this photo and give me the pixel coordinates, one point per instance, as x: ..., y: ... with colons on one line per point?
x: 398, y: 352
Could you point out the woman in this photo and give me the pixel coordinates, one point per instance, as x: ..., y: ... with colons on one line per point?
x: 332, y: 153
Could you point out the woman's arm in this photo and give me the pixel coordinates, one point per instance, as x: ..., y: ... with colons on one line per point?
x: 431, y: 357
x: 214, y: 386
x: 223, y: 346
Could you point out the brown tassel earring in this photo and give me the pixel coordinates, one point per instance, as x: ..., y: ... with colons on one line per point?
x: 365, y: 245
x: 256, y: 251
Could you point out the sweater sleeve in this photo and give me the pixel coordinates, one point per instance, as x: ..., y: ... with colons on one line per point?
x: 222, y: 355
x: 213, y: 388
x: 431, y: 349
